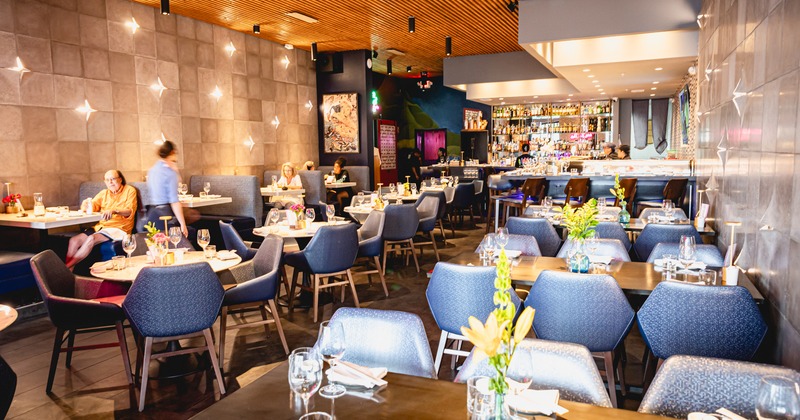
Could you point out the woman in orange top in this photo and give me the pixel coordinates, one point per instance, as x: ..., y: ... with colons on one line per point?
x: 117, y: 205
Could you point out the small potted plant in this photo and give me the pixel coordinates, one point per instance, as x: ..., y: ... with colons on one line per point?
x: 10, y: 203
x: 580, y: 223
x: 299, y: 213
x: 619, y: 193
x: 157, y: 243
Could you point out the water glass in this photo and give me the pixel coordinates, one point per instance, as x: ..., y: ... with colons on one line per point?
x: 669, y: 209
x: 310, y: 215
x: 480, y: 400
x: 274, y: 215
x: 207, y: 187
x: 118, y: 261
x: 175, y: 235
x: 413, y: 189
x: 305, y: 373
x: 489, y: 245
x: 330, y: 211
x: 210, y: 251
x: 601, y: 205
x: 392, y: 188
x: 316, y: 415
x: 129, y: 244
x: 708, y: 277
x: 592, y: 243
x: 501, y: 237
x: 686, y: 250
x: 547, y: 204
x: 331, y: 345
x: 778, y: 399
x: 183, y: 189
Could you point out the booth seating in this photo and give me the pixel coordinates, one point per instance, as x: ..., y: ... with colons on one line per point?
x: 268, y: 176
x: 244, y: 212
x: 358, y: 174
x: 16, y: 269
x: 315, y: 195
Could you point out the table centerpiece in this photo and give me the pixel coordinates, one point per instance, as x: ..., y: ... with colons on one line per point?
x: 619, y: 193
x: 580, y: 223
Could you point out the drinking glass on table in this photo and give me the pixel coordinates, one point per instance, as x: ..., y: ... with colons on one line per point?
x: 274, y: 181
x: 203, y: 238
x: 601, y: 205
x: 183, y: 189
x: 592, y: 243
x: 547, y: 204
x: 686, y: 251
x: 669, y: 209
x: 361, y: 197
x: 310, y: 215
x: 489, y: 245
x: 392, y: 188
x: 305, y: 373
x: 778, y: 398
x: 129, y: 244
x: 413, y: 189
x: 330, y: 211
x: 207, y: 187
x: 501, y: 237
x: 331, y: 345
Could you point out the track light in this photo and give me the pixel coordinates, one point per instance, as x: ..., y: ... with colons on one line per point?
x: 374, y: 53
x: 165, y: 7
x: 411, y: 24
x: 388, y: 66
x: 314, y: 52
x: 408, y: 69
x: 448, y: 46
x: 512, y: 6
x: 256, y: 29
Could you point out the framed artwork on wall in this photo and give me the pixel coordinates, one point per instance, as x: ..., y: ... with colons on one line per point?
x: 340, y: 116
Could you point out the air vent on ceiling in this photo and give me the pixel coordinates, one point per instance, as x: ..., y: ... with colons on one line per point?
x: 304, y: 18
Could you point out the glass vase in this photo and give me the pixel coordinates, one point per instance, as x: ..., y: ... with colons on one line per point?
x: 624, y: 216
x: 578, y: 262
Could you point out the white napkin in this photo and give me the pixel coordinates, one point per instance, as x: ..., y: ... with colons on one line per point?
x: 351, y: 374
x: 228, y: 254
x: 100, y: 266
x: 697, y: 265
x: 600, y: 259
x: 510, y: 254
x: 75, y: 214
x: 537, y: 401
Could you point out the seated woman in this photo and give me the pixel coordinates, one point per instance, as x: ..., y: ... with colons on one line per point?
x: 291, y: 181
x: 624, y: 152
x: 339, y: 174
x: 309, y: 165
x: 117, y: 204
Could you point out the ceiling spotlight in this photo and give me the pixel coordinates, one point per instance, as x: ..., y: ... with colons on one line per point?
x: 591, y: 76
x: 653, y: 88
x: 374, y: 53
x: 586, y: 70
x: 408, y: 69
x: 655, y: 83
x: 659, y: 68
x: 411, y: 24
x: 256, y: 29
x: 388, y: 66
x: 595, y: 81
x: 165, y: 7
x: 288, y: 46
x: 448, y: 46
x: 314, y: 52
x: 512, y: 6
x: 652, y: 94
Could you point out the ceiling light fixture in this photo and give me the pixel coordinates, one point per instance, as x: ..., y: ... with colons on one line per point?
x: 158, y: 87
x: 285, y: 61
x: 133, y: 25
x: 388, y: 66
x: 408, y: 69
x: 256, y: 29
x: 595, y: 81
x: 412, y: 24
x: 655, y: 83
x: 653, y: 88
x: 216, y: 93
x: 570, y: 95
x: 448, y: 46
x: 86, y: 109
x: 288, y: 46
x: 314, y: 52
x: 230, y: 48
x: 165, y: 7
x: 304, y: 18
x: 591, y: 76
x: 659, y: 68
x: 586, y: 70
x: 652, y: 94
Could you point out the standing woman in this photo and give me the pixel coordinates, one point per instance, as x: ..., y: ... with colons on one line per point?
x: 162, y: 182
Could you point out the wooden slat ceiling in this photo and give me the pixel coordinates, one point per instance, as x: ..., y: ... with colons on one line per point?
x: 476, y: 26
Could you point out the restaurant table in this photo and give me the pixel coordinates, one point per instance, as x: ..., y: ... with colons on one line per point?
x: 411, y: 197
x: 48, y: 221
x: 636, y: 278
x: 135, y: 265
x: 286, y: 231
x: 7, y: 316
x: 194, y: 202
x: 335, y: 185
x: 405, y: 397
x: 270, y: 192
x: 360, y: 213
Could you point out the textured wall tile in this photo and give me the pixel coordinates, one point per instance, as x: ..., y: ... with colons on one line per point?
x: 71, y: 125
x: 208, y: 131
x: 120, y: 38
x: 147, y: 100
x: 95, y: 64
x: 128, y: 156
x: 171, y: 102
x: 42, y: 157
x: 205, y: 55
x: 239, y: 86
x: 67, y: 59
x: 144, y: 43
x: 191, y: 130
x: 204, y: 32
x: 166, y: 24
x: 100, y: 95
x: 126, y: 127
x: 146, y: 71
x: 189, y: 104
x: 122, y: 67
x: 10, y: 123
x: 168, y: 72
x: 8, y: 50
x: 9, y: 87
x: 73, y: 156
x: 38, y: 124
x: 64, y: 26
x: 35, y: 53
x: 185, y: 27
x: 94, y: 32
x: 102, y: 157
x: 254, y: 109
x: 6, y: 16
x: 240, y: 109
x: 69, y: 91
x: 144, y: 15
x: 787, y: 112
x: 171, y: 127
x: 100, y: 127
x: 14, y: 157
x: 187, y: 52
x: 31, y: 18
x: 118, y: 10
x: 187, y: 76
x: 790, y: 38
x: 37, y: 89
x: 166, y: 47
x: 95, y: 8
x: 125, y: 98
x: 225, y: 128
x: 51, y: 191
x: 149, y: 128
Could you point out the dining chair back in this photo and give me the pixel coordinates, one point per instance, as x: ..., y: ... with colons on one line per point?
x: 541, y: 229
x: 654, y: 233
x: 402, y: 221
x: 605, y: 247
x: 576, y: 192
x: 441, y: 210
x: 234, y: 242
x: 314, y: 186
x: 613, y: 230
x: 428, y: 209
x: 393, y: 340
x: 526, y: 244
x: 370, y: 244
x: 168, y: 303
x: 629, y: 184
x: 8, y: 385
x: 708, y: 254
x: 674, y: 190
x: 244, y: 190
x: 699, y: 320
x: 567, y: 367
x: 687, y: 384
x: 456, y: 292
x: 463, y: 200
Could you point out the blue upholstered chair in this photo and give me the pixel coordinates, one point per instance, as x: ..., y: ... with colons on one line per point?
x: 315, y: 194
x: 686, y: 384
x: 428, y: 210
x: 258, y: 293
x: 234, y: 241
x: 394, y: 340
x: 402, y: 221
x: 370, y: 243
x: 456, y: 292
x: 541, y: 229
x: 698, y: 320
x: 331, y: 252
x: 567, y: 367
x: 653, y: 234
x: 524, y: 243
x: 709, y: 254
x: 73, y: 313
x: 585, y: 309
x: 463, y: 200
x: 440, y: 212
x: 168, y: 303
x: 605, y: 247
x: 613, y: 230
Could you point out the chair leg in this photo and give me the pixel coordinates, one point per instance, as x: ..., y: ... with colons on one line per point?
x: 352, y: 287
x: 285, y: 280
x: 123, y: 347
x: 385, y: 251
x: 274, y: 309
x: 435, y: 251
x: 148, y: 351
x: 212, y: 353
x: 54, y: 358
x: 380, y: 273
x: 440, y: 351
x: 263, y: 309
x: 295, y: 273
x: 620, y: 375
x: 441, y: 229
x: 452, y: 227
x: 316, y: 279
x: 70, y: 345
x: 223, y: 326
x: 414, y: 253
x: 454, y: 357
x: 608, y: 360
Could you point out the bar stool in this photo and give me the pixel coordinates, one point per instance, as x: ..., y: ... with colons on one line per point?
x: 533, y: 187
x: 629, y: 184
x: 497, y: 187
x: 577, y: 192
x: 675, y: 190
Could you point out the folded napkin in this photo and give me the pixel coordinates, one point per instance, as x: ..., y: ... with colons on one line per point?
x: 259, y: 230
x: 101, y: 266
x: 351, y: 374
x: 728, y: 414
x: 600, y: 259
x: 226, y: 254
x: 213, y: 196
x: 75, y: 214
x: 697, y: 265
x: 606, y: 217
x: 537, y: 401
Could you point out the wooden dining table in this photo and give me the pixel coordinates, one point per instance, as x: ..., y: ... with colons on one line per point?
x: 405, y: 397
x: 136, y: 264
x: 636, y: 278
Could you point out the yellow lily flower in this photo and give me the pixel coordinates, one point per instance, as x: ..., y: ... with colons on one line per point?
x: 486, y: 338
x: 524, y: 324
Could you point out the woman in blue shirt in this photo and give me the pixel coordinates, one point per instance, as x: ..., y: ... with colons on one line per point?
x: 162, y: 183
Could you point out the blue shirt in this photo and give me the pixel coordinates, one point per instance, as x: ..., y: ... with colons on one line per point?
x: 162, y: 182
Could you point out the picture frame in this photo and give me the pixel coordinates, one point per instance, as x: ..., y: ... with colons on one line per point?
x: 341, y: 123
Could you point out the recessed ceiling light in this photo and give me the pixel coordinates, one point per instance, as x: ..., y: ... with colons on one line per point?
x: 570, y: 95
x: 304, y: 18
x: 595, y: 81
x: 535, y: 97
x: 288, y: 46
x: 591, y: 76
x: 655, y: 83
x: 586, y: 70
x: 653, y: 88
x: 659, y: 68
x: 601, y: 90
x: 501, y: 98
x: 597, y: 86
x: 637, y: 90
x: 603, y: 93
x: 502, y: 103
x: 652, y: 94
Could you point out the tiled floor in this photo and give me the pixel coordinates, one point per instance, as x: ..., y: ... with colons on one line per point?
x: 95, y: 386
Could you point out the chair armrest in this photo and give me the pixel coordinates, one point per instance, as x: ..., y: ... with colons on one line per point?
x: 243, y: 272
x: 93, y: 288
x: 370, y: 241
x: 71, y: 313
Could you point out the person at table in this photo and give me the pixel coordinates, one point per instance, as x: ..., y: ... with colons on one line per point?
x: 415, y: 161
x: 339, y: 174
x: 117, y: 207
x: 609, y: 151
x: 525, y: 155
x: 441, y: 156
x: 162, y: 183
x: 309, y: 165
x: 624, y: 152
x: 291, y: 181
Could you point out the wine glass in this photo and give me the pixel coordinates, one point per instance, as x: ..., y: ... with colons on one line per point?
x: 519, y: 378
x: 489, y: 245
x: 778, y: 398
x: 413, y: 189
x: 305, y: 373
x: 330, y: 211
x: 686, y: 250
x: 592, y: 244
x: 331, y: 344
x: 501, y: 237
x: 392, y: 188
x: 547, y: 204
x: 310, y: 215
x: 601, y: 205
x: 184, y: 189
x: 203, y: 238
x: 669, y: 209
x: 361, y: 197
x: 175, y: 235
x: 274, y: 180
x: 129, y: 244
x: 207, y: 187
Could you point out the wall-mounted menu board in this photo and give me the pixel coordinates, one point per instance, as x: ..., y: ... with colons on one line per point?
x: 387, y: 144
